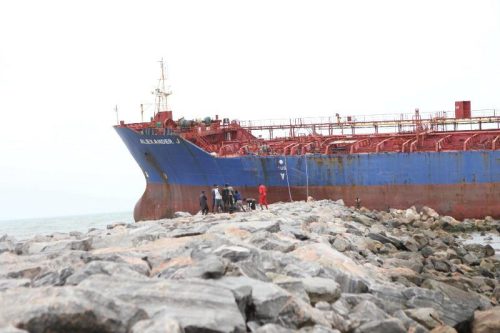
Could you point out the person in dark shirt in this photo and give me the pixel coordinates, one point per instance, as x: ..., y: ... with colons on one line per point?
x: 358, y: 203
x: 225, y: 197
x: 251, y: 202
x: 203, y: 203
x: 238, y: 201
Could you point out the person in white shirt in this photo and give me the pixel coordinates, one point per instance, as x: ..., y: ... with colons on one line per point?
x: 216, y: 200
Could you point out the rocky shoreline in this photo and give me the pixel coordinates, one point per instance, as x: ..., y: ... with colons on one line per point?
x: 314, y: 266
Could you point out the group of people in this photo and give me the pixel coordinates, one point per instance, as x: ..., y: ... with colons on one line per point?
x: 229, y: 200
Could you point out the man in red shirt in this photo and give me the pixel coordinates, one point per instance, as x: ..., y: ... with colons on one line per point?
x: 262, y: 196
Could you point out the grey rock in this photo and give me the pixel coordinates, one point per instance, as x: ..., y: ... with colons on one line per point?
x: 295, y: 287
x: 429, y: 212
x: 387, y: 248
x: 496, y: 292
x: 273, y: 328
x: 134, y: 235
x: 178, y: 270
x: 340, y: 244
x: 210, y: 267
x: 334, y: 264
x: 114, y: 225
x: 66, y: 309
x: 26, y: 273
x: 428, y: 317
x: 427, y: 251
x: 489, y: 251
x: 411, y: 245
x: 7, y: 245
x: 323, y: 306
x: 302, y: 269
x: 350, y: 300
x: 160, y: 323
x: 32, y: 247
x: 414, y: 264
x: 268, y: 241
x: 470, y: 259
x: 392, y: 296
x: 441, y: 265
x: 410, y: 324
x: 272, y: 304
x: 242, y: 292
x: 453, y: 305
x: 321, y: 289
x: 318, y: 329
x: 233, y: 253
x: 392, y: 325
x: 444, y: 329
x: 386, y: 239
x: 101, y: 268
x: 134, y: 261
x: 366, y: 312
x: 14, y: 283
x: 271, y: 226
x: 52, y: 278
x: 196, y: 304
x: 363, y: 219
x: 421, y: 239
x: 252, y: 270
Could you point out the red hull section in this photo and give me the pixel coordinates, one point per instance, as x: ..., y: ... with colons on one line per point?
x: 458, y: 200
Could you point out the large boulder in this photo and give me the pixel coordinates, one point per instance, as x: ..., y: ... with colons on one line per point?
x: 101, y: 267
x: 33, y: 247
x: 66, y: 309
x: 453, y: 305
x: 321, y: 289
x: 196, y: 304
x: 350, y: 276
x: 272, y: 304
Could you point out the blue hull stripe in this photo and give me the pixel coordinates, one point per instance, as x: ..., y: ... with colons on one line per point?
x: 186, y: 164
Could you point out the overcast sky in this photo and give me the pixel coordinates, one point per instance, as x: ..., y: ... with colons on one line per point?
x: 65, y: 64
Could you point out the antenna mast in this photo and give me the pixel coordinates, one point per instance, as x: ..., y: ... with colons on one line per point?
x: 117, y: 119
x: 161, y: 92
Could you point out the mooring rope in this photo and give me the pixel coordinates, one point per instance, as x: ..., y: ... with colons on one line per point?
x: 287, y: 182
x: 307, y: 179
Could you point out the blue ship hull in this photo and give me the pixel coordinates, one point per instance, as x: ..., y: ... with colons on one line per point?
x: 458, y: 183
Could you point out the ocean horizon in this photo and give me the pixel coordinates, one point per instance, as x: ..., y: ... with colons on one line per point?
x: 29, y: 227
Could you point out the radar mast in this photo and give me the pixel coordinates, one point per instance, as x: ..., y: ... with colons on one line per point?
x: 161, y: 92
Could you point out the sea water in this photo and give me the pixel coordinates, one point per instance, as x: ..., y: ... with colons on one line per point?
x: 487, y: 238
x: 27, y: 228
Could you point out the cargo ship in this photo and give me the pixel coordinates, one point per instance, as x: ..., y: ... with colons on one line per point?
x: 449, y: 161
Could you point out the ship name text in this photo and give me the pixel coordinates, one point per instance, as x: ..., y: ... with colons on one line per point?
x: 159, y: 141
